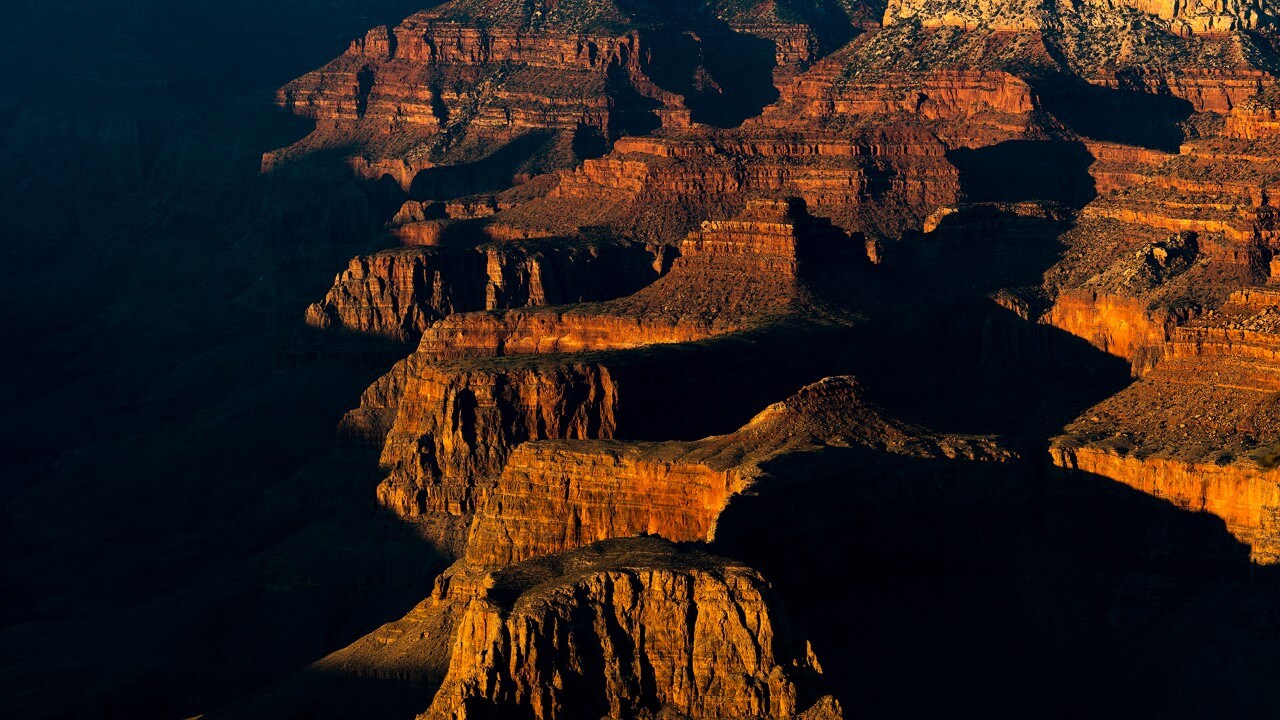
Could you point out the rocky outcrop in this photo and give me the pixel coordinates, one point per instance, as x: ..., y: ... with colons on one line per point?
x: 448, y: 427
x: 1201, y: 430
x: 887, y: 177
x: 452, y: 426
x: 399, y: 293
x: 453, y: 84
x: 967, y: 107
x: 1257, y: 117
x: 1116, y: 324
x: 1212, y: 90
x: 1021, y: 15
x: 556, y: 496
x: 1168, y: 237
x: 481, y: 383
x: 628, y: 629
x: 1247, y: 327
x: 1245, y: 495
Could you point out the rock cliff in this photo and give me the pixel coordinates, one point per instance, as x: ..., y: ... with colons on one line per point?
x: 559, y: 495
x: 480, y: 383
x: 644, y: 249
x: 399, y: 293
x: 1017, y: 15
x: 626, y: 629
x: 1201, y: 429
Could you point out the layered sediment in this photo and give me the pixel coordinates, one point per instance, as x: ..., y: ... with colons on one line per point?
x: 559, y: 495
x: 625, y: 628
x: 481, y: 383
x: 399, y: 293
x: 605, y: 285
x: 1201, y: 430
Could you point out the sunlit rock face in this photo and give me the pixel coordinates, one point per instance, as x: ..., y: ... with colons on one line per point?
x: 1016, y: 15
x: 623, y: 629
x: 1199, y: 429
x: 555, y: 496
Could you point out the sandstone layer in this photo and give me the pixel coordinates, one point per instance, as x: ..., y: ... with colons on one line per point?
x: 645, y: 249
x: 1202, y: 429
x: 626, y: 629
x: 399, y: 293
x: 481, y: 383
x: 559, y: 495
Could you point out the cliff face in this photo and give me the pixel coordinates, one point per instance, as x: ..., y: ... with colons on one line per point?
x: 452, y: 427
x: 624, y: 629
x: 966, y: 107
x: 1200, y: 430
x: 399, y: 293
x: 480, y: 383
x: 1242, y: 494
x: 1168, y: 237
x: 556, y: 496
x: 451, y: 84
x: 886, y: 176
x: 519, y: 78
x: 1114, y: 324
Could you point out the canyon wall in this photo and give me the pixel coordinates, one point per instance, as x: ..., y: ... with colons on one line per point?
x: 657, y: 630
x: 399, y: 293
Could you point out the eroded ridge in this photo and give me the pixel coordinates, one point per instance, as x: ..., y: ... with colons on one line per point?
x: 544, y: 83
x: 961, y: 203
x: 480, y: 383
x: 557, y: 495
x: 1203, y: 428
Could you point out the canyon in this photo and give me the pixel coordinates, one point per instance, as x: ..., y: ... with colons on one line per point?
x: 566, y: 359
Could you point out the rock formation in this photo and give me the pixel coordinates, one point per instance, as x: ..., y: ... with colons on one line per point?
x: 624, y: 629
x: 399, y: 293
x: 558, y: 495
x: 1188, y: 18
x: 1199, y: 430
x: 605, y: 275
x: 632, y: 257
x: 480, y: 383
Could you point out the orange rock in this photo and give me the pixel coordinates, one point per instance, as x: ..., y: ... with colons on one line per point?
x: 569, y: 636
x: 399, y: 293
x: 1119, y: 325
x: 559, y: 495
x: 1245, y: 496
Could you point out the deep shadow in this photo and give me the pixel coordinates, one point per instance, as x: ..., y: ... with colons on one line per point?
x: 961, y: 360
x: 952, y: 588
x: 364, y: 87
x: 724, y: 76
x: 631, y: 113
x: 181, y: 527
x: 692, y: 390
x: 493, y: 173
x: 1026, y: 170
x: 1130, y: 114
x: 589, y: 143
x: 830, y: 20
x: 977, y: 367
